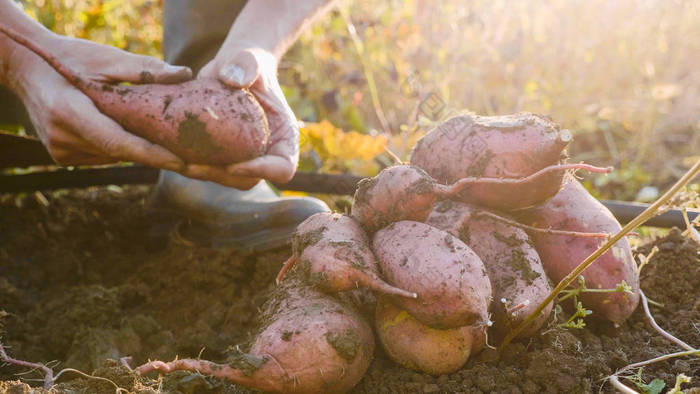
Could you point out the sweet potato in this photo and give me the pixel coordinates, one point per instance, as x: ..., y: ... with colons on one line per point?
x: 405, y: 192
x: 511, y: 146
x: 449, y: 278
x: 362, y: 299
x: 396, y: 193
x: 517, y: 277
x: 419, y: 347
x: 202, y: 120
x: 574, y: 209
x: 309, y: 343
x: 333, y: 253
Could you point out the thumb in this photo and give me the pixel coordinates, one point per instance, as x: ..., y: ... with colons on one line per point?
x: 242, y: 72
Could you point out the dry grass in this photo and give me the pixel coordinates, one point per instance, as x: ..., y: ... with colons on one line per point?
x: 620, y: 74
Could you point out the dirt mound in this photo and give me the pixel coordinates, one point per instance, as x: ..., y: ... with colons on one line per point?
x: 85, y: 281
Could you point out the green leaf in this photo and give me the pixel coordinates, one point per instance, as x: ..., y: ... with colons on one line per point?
x: 654, y: 387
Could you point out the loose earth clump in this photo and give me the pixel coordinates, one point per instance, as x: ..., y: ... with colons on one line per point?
x: 82, y: 282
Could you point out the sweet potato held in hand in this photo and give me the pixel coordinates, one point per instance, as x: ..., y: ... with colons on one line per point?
x: 202, y: 120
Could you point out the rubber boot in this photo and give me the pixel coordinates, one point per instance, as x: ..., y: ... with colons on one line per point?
x: 203, y: 212
x: 213, y: 215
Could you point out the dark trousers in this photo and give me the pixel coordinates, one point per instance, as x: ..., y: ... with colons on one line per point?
x: 192, y: 34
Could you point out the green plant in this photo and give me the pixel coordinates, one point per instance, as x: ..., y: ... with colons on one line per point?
x: 680, y: 379
x: 576, y: 320
x: 653, y: 387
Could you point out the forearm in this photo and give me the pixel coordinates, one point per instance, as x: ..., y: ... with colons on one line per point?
x: 12, y: 55
x: 274, y: 25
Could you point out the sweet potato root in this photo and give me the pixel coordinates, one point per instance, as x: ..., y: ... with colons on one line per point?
x: 517, y: 277
x: 450, y: 280
x: 419, y: 347
x: 512, y: 146
x: 574, y: 209
x: 309, y: 343
x: 202, y: 121
x: 333, y: 253
x: 405, y: 192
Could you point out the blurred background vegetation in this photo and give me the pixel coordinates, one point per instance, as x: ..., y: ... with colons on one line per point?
x: 621, y: 75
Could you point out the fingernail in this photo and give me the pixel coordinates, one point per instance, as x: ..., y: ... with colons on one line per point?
x: 196, y: 170
x: 234, y: 74
x: 170, y: 69
x: 174, y: 166
x: 235, y: 170
x: 174, y: 69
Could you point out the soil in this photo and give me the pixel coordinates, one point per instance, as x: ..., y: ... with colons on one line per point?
x: 84, y: 280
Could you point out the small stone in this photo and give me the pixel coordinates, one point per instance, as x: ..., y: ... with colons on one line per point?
x: 431, y: 388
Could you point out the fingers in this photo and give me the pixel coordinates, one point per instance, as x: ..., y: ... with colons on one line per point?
x: 242, y: 72
x: 145, y: 69
x: 219, y: 175
x: 109, y: 64
x: 283, y: 123
x: 256, y: 69
x: 274, y: 168
x: 284, y: 128
x: 280, y: 162
x: 70, y: 157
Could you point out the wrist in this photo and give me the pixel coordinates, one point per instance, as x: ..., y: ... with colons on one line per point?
x: 238, y: 42
x: 274, y: 25
x: 16, y: 61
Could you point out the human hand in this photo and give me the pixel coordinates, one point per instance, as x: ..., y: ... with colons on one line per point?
x: 68, y: 123
x: 256, y: 69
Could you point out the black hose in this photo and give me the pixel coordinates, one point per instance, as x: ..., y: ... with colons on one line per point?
x: 303, y: 181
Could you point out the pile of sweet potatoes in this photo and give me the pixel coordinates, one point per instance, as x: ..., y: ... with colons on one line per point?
x: 439, y: 256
